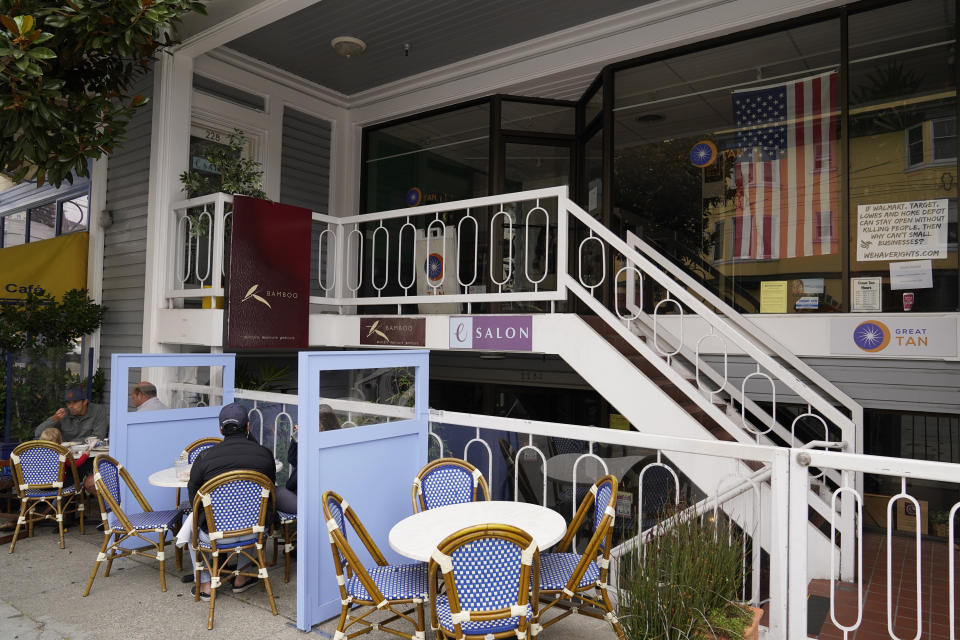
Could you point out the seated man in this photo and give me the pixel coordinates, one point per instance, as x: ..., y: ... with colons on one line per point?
x: 237, y: 452
x: 79, y: 420
x: 144, y: 397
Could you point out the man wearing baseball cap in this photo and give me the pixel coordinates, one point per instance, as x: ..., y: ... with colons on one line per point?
x: 80, y: 419
x: 237, y: 452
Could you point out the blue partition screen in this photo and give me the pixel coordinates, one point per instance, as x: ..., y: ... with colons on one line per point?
x: 372, y: 467
x: 147, y: 441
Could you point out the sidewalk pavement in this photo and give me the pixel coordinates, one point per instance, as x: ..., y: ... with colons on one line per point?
x: 41, y: 587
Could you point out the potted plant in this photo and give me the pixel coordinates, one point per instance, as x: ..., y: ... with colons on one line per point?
x: 684, y: 582
x: 941, y: 523
x: 230, y: 173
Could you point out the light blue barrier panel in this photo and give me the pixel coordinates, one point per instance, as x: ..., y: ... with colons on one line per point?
x: 147, y: 441
x: 372, y: 467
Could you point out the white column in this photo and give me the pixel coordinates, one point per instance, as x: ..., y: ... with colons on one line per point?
x: 168, y: 158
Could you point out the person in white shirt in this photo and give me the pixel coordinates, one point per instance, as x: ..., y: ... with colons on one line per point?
x: 144, y: 397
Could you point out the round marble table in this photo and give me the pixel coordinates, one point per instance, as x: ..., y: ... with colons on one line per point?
x: 418, y: 535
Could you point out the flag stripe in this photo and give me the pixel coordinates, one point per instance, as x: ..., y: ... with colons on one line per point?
x: 787, y: 188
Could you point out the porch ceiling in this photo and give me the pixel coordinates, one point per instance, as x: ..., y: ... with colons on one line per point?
x: 439, y: 33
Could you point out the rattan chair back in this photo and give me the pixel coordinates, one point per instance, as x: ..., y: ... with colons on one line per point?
x: 568, y: 575
x: 147, y: 527
x: 384, y: 588
x: 235, y: 505
x: 39, y: 470
x: 447, y: 481
x: 487, y: 571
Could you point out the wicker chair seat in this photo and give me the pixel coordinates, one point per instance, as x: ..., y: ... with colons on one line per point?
x: 479, y: 627
x: 224, y: 543
x: 396, y: 582
x: 147, y: 520
x: 557, y: 568
x: 286, y: 518
x: 49, y: 493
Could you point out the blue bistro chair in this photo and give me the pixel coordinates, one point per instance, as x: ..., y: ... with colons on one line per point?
x: 487, y: 572
x: 235, y: 506
x: 39, y: 470
x: 567, y: 575
x: 193, y: 450
x: 148, y: 527
x: 389, y: 588
x: 447, y: 481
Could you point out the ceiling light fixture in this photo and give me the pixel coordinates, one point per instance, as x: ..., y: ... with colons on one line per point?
x: 348, y: 46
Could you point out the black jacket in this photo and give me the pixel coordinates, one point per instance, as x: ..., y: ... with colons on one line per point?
x: 235, y: 453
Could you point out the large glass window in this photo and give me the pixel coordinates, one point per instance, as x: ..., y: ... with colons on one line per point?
x: 903, y: 200
x: 432, y: 159
x: 727, y: 160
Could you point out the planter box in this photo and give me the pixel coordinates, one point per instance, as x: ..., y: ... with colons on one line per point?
x: 752, y: 631
x: 907, y: 516
x: 941, y: 529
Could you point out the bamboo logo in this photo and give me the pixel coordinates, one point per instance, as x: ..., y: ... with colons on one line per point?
x: 374, y: 330
x: 252, y: 293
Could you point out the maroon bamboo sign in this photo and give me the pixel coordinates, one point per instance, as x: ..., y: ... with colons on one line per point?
x: 269, y: 288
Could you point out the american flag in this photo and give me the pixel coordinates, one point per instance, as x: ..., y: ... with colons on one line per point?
x: 786, y: 178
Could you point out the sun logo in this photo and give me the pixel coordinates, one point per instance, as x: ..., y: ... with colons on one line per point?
x: 871, y: 336
x: 252, y: 295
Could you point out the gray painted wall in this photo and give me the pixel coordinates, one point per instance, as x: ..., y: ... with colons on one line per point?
x: 305, y: 174
x: 125, y: 241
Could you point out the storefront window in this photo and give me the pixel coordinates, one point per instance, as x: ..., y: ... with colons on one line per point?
x: 517, y: 115
x: 727, y: 160
x: 432, y: 159
x: 903, y: 200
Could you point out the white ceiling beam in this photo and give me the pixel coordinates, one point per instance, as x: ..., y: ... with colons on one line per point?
x: 227, y: 20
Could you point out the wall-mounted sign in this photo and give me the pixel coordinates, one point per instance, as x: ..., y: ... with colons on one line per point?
x: 703, y: 154
x: 269, y: 297
x: 902, y: 230
x: 865, y: 294
x: 393, y: 331
x: 493, y: 333
x: 895, y: 337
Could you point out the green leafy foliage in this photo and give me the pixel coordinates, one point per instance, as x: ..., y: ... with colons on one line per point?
x: 683, y: 583
x: 40, y: 332
x: 66, y: 70
x: 235, y: 174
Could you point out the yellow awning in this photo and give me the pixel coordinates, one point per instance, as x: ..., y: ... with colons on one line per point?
x: 49, y: 266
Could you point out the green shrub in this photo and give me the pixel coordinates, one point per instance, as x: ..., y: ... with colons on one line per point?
x: 683, y: 582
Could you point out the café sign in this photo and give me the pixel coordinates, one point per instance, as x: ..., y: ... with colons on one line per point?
x: 492, y: 333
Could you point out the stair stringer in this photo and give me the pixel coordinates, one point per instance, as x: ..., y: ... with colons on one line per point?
x: 649, y: 409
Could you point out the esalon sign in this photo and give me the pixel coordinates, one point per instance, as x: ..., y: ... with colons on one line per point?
x: 492, y: 333
x: 269, y: 294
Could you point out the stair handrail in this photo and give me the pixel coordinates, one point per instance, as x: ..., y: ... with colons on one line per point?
x: 848, y: 427
x: 752, y: 329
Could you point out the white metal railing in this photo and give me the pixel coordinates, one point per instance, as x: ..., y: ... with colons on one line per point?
x: 910, y: 616
x: 550, y: 251
x: 198, y: 229
x: 773, y: 502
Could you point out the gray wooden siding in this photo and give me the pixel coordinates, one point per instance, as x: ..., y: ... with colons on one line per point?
x: 125, y: 241
x: 305, y: 173
x: 899, y: 385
